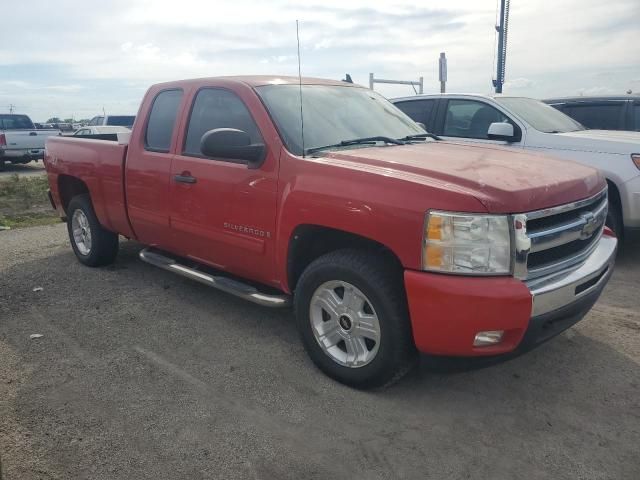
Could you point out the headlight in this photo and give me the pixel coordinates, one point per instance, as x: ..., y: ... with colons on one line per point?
x: 471, y: 244
x: 636, y: 158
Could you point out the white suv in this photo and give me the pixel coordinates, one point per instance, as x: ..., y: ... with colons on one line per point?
x: 530, y: 124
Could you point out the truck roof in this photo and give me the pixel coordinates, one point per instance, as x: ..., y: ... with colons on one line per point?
x: 259, y: 80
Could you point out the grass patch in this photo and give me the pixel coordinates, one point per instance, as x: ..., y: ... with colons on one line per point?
x: 24, y: 202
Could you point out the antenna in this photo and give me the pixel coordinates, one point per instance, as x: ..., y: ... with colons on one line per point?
x: 300, y: 88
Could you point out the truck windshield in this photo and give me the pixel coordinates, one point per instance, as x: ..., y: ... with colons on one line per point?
x: 121, y: 120
x: 333, y: 113
x: 540, y: 116
x: 16, y: 122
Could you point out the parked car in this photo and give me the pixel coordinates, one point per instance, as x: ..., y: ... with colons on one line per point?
x: 602, y: 113
x: 20, y: 141
x: 386, y: 241
x: 532, y: 125
x: 115, y: 120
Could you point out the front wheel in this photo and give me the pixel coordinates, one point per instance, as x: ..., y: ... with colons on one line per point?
x: 93, y: 245
x: 352, y: 316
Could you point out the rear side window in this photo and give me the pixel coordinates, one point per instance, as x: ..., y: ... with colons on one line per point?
x: 636, y: 116
x: 121, y: 120
x: 418, y: 110
x: 217, y: 108
x: 162, y: 119
x: 601, y: 116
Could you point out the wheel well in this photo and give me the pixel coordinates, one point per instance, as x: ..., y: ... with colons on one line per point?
x: 309, y: 242
x: 614, y: 195
x: 69, y: 187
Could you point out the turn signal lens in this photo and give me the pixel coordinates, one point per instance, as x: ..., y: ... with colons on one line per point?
x: 467, y: 244
x: 636, y: 159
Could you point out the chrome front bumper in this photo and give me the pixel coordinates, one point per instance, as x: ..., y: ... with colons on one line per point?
x: 564, y: 288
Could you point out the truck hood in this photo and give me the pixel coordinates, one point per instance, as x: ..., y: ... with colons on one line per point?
x: 602, y: 141
x: 504, y: 180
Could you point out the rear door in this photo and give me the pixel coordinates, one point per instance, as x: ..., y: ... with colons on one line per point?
x: 148, y: 167
x: 222, y: 212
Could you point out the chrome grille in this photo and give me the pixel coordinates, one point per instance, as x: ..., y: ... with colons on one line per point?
x: 556, y: 239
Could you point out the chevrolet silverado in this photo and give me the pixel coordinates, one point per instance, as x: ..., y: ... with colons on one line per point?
x: 323, y: 195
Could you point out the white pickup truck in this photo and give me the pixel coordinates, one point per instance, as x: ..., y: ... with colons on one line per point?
x: 20, y: 141
x: 530, y: 124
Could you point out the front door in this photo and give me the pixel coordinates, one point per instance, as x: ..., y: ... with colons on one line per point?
x: 469, y: 121
x: 222, y: 212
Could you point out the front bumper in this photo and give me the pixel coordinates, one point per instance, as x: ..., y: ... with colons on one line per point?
x: 448, y: 311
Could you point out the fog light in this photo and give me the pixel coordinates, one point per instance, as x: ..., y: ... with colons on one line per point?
x: 490, y: 337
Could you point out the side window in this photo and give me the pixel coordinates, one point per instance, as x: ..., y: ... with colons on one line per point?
x: 162, y: 120
x: 601, y: 116
x: 636, y: 116
x: 470, y: 119
x: 418, y: 110
x: 217, y: 108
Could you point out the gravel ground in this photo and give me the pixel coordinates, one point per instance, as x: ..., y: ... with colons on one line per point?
x: 144, y: 375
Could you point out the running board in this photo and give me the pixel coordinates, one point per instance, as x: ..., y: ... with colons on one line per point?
x: 228, y: 285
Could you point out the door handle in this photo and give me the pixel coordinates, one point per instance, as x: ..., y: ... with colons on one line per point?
x: 184, y: 177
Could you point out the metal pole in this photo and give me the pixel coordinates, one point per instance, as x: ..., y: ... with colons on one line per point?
x: 421, y: 87
x: 442, y: 71
x: 371, y: 81
x: 500, y: 69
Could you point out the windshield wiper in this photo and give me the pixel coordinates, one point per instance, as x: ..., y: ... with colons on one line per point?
x: 418, y: 136
x: 359, y: 141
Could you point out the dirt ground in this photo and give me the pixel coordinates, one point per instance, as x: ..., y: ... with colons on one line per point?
x: 140, y: 374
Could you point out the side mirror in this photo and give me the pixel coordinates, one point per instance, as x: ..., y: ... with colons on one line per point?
x: 501, y: 131
x: 233, y: 144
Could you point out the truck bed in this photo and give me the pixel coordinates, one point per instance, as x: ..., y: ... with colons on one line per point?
x: 100, y: 165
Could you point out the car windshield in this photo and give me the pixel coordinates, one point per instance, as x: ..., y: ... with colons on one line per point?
x: 332, y: 114
x: 121, y: 120
x: 540, y: 116
x: 15, y: 122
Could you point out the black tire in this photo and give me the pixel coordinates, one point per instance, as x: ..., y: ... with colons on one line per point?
x: 104, y: 244
x: 614, y: 218
x: 381, y: 281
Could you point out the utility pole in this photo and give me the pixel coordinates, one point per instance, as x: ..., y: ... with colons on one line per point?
x: 502, y: 29
x: 442, y: 71
x: 11, y: 107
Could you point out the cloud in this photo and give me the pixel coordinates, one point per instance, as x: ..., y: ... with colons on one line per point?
x: 519, y: 83
x: 83, y: 59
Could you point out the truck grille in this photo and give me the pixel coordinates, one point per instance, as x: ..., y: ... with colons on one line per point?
x: 558, y: 238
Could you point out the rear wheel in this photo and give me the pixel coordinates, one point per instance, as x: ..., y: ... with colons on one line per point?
x: 352, y: 316
x: 93, y: 245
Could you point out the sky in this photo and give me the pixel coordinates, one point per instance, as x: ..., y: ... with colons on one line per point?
x: 63, y: 58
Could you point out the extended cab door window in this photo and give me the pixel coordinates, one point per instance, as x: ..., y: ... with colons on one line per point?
x: 419, y: 111
x: 471, y: 119
x: 217, y: 108
x: 162, y: 121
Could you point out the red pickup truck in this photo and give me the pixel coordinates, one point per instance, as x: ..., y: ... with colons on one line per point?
x: 386, y: 240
